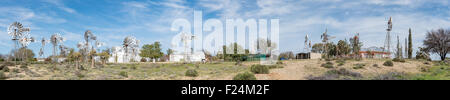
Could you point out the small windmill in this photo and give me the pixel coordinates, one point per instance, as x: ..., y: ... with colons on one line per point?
x: 43, y: 42
x: 25, y: 41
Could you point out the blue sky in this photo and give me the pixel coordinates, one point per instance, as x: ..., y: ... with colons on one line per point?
x: 150, y: 20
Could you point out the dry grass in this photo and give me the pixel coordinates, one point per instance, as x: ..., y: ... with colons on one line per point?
x: 292, y: 70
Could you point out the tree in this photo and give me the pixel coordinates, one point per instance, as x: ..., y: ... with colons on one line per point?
x: 343, y: 48
x: 398, y: 54
x: 410, y: 45
x: 169, y: 52
x: 104, y: 55
x: 152, y: 51
x: 24, y: 53
x: 75, y: 57
x: 438, y: 41
x: 356, y: 45
x: 287, y: 55
x: 317, y: 48
x: 331, y: 49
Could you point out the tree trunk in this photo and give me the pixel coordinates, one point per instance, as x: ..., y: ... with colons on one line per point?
x: 443, y: 56
x: 92, y: 62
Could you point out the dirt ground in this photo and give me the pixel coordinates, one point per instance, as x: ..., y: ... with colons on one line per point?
x: 300, y: 69
x: 292, y: 70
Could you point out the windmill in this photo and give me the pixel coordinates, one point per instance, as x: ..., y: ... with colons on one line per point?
x: 16, y: 31
x: 387, y: 42
x: 25, y: 41
x: 325, y: 37
x: 130, y: 42
x: 55, y: 40
x: 88, y: 35
x: 186, y: 38
x: 307, y: 45
x: 43, y: 42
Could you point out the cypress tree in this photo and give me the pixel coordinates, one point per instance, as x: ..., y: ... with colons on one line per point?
x: 410, y: 45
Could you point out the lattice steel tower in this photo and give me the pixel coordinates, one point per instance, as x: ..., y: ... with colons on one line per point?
x: 387, y: 42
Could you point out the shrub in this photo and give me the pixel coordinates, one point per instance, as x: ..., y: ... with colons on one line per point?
x: 191, y: 73
x: 359, y: 66
x: 8, y: 63
x: 391, y: 76
x: 327, y: 65
x: 15, y: 70
x: 2, y: 75
x: 259, y: 69
x: 5, y: 69
x: 123, y: 74
x: 398, y: 60
x: 244, y: 76
x: 79, y: 74
x: 388, y: 63
x: 24, y: 66
x: 143, y: 60
x: 375, y: 65
x: 336, y: 75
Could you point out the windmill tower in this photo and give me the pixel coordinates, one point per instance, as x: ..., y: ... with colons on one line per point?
x: 387, y: 42
x: 307, y: 45
x: 187, y: 38
x: 325, y: 37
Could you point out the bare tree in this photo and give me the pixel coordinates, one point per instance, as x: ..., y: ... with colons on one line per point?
x: 438, y: 41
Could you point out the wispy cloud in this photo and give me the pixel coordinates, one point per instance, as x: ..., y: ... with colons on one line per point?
x: 60, y: 4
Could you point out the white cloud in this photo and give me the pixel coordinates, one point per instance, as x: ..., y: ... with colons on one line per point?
x: 60, y: 5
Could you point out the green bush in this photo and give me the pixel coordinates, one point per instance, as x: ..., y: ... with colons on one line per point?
x: 388, y: 63
x: 375, y: 65
x: 327, y: 65
x: 8, y: 63
x: 398, y: 60
x: 191, y: 73
x: 143, y: 60
x: 5, y: 69
x: 359, y: 66
x: 123, y: 74
x: 24, y: 66
x: 2, y: 75
x: 244, y: 76
x: 259, y: 69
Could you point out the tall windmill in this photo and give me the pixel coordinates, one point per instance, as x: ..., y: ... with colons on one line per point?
x: 56, y: 39
x: 16, y: 31
x: 307, y: 45
x: 130, y: 42
x: 387, y: 42
x: 325, y: 37
x: 186, y: 38
x: 43, y: 42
